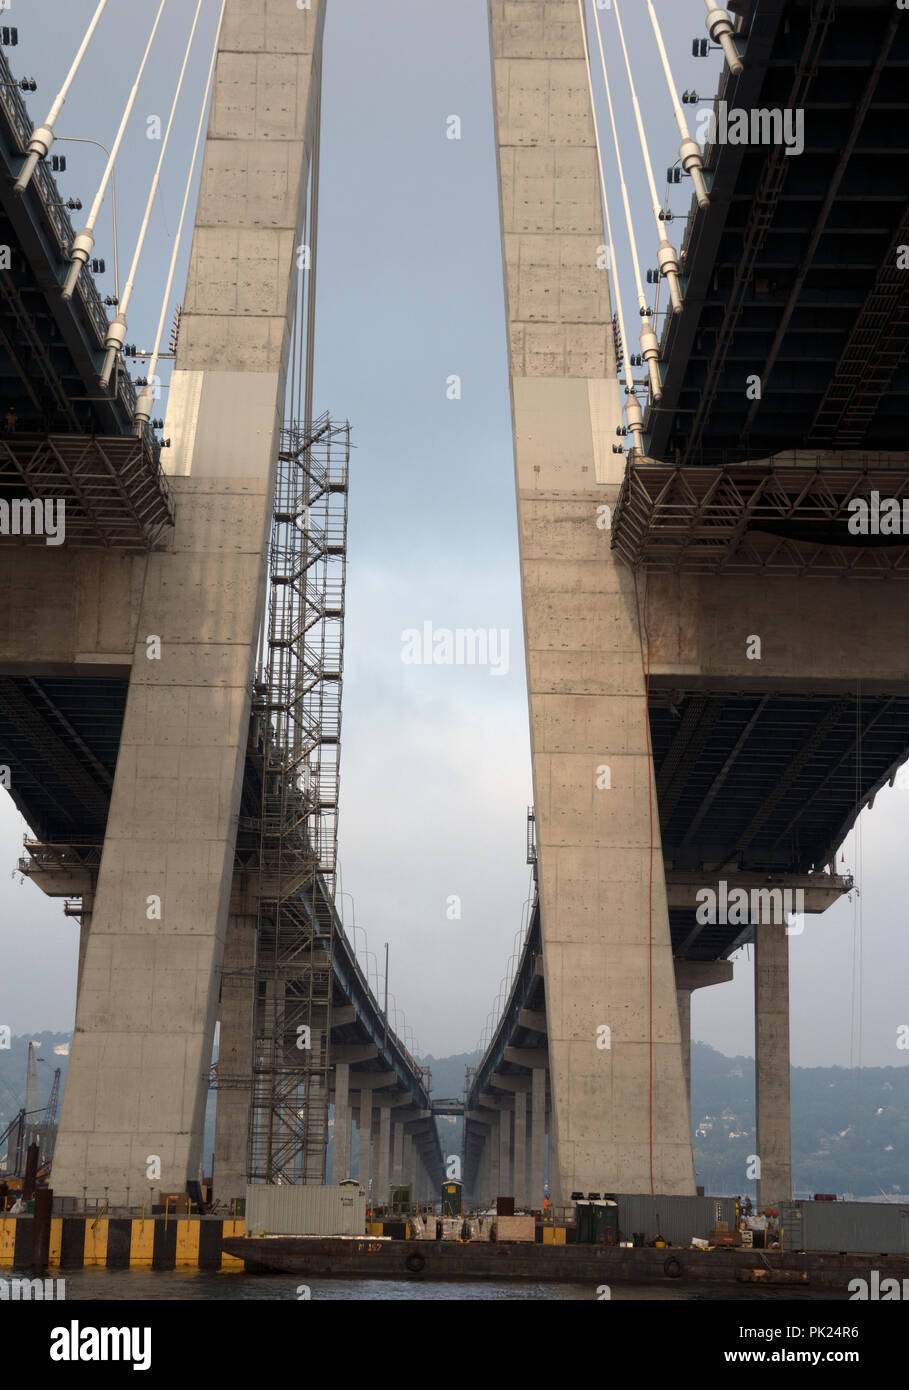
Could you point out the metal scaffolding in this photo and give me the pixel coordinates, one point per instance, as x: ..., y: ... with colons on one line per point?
x: 299, y: 714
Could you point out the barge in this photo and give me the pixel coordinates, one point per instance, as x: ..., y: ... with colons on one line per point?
x: 376, y: 1257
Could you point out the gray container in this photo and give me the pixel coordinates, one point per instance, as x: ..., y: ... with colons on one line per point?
x: 858, y: 1228
x: 305, y: 1211
x: 676, y: 1219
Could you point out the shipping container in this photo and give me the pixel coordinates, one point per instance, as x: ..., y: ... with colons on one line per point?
x: 305, y: 1211
x: 676, y: 1219
x: 858, y: 1228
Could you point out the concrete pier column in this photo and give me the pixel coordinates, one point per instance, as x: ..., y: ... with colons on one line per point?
x: 519, y: 1185
x: 493, y: 1180
x: 341, y: 1167
x: 553, y: 1176
x: 537, y: 1137
x: 481, y: 1186
x: 235, y: 1046
x: 683, y: 999
x: 397, y: 1163
x: 689, y: 976
x: 771, y: 1063
x: 471, y: 1191
x: 315, y: 1171
x: 486, y: 1193
x: 382, y: 1157
x: 407, y: 1165
x: 365, y: 1139
x: 506, y: 1184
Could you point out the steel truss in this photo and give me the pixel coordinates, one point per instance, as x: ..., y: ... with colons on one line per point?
x: 783, y: 516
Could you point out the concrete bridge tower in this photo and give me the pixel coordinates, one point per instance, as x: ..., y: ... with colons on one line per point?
x: 619, y: 1112
x: 139, y: 1072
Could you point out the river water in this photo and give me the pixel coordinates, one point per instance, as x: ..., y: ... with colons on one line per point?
x: 108, y: 1285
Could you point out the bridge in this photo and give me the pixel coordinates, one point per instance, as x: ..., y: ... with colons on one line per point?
x: 705, y: 729
x: 181, y: 787
x: 703, y: 726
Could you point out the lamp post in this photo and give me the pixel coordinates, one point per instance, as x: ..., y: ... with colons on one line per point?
x: 80, y: 140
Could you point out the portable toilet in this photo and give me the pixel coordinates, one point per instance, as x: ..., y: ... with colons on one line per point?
x: 451, y: 1199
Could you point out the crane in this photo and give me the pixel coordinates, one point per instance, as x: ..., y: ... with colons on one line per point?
x: 31, y: 1083
x: 54, y: 1099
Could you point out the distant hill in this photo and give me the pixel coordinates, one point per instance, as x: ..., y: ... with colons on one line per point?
x: 448, y: 1084
x: 448, y: 1073
x: 850, y: 1129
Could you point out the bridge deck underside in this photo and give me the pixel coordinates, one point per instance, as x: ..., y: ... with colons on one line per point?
x: 50, y: 350
x: 62, y: 435
x: 59, y: 736
x: 765, y: 782
x: 793, y: 276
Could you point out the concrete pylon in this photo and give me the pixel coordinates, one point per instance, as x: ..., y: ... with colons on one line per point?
x: 492, y: 1145
x: 397, y: 1154
x: 341, y: 1147
x: 689, y: 976
x: 619, y: 1118
x: 537, y: 1138
x: 520, y: 1148
x: 382, y: 1157
x: 481, y: 1185
x: 235, y: 1045
x: 506, y: 1183
x: 771, y: 1063
x: 364, y: 1138
x: 134, y: 1102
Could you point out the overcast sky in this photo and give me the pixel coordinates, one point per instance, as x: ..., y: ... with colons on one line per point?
x: 436, y: 762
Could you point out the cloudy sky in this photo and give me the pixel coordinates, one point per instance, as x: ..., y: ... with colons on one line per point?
x: 436, y: 762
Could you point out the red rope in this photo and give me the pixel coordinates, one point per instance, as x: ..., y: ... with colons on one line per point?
x: 650, y: 881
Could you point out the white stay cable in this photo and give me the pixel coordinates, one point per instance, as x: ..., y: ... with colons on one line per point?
x: 116, y: 334
x: 147, y: 394
x: 84, y: 243
x: 633, y: 409
x: 649, y: 346
x: 43, y: 136
x: 667, y: 257
x: 689, y: 150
